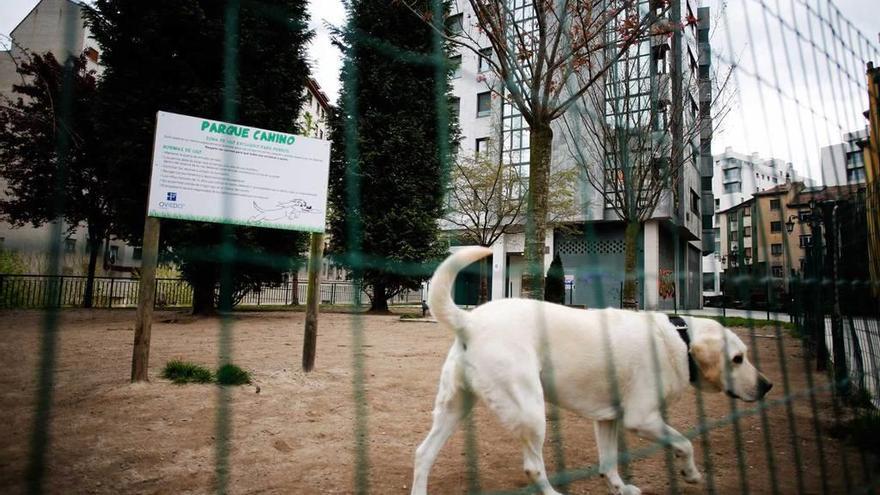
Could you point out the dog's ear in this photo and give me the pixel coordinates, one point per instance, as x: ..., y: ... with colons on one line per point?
x: 707, y: 354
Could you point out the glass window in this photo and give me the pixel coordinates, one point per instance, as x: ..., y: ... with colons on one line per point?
x: 695, y: 202
x: 776, y: 249
x: 454, y: 24
x: 455, y: 63
x: 69, y: 245
x: 138, y: 253
x: 747, y: 212
x: 776, y: 226
x: 806, y: 240
x: 774, y: 204
x: 777, y: 271
x: 481, y: 146
x: 483, y: 63
x: 484, y: 104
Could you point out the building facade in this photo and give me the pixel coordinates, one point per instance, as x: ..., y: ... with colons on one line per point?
x: 871, y: 150
x: 738, y: 176
x: 843, y: 163
x: 591, y: 244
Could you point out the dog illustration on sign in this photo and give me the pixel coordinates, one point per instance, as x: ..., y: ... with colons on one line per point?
x: 288, y: 210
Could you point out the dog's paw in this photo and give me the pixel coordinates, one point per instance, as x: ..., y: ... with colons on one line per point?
x: 692, y: 477
x: 630, y: 490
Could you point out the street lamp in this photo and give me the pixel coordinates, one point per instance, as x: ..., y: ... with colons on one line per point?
x: 789, y: 225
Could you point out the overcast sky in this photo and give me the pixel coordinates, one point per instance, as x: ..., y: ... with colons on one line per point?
x: 816, y: 92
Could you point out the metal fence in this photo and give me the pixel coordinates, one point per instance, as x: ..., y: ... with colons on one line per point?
x: 45, y: 291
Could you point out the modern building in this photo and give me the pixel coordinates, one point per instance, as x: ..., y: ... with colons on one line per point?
x: 591, y: 244
x: 736, y: 177
x: 844, y: 163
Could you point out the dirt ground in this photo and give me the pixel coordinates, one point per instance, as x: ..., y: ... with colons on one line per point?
x: 297, y: 435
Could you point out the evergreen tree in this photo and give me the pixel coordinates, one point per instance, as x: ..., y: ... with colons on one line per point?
x: 390, y: 143
x: 49, y: 153
x: 554, y: 282
x: 183, y: 56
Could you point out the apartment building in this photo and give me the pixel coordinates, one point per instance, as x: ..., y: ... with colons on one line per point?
x: 843, y: 163
x: 737, y: 176
x: 591, y: 245
x: 871, y: 148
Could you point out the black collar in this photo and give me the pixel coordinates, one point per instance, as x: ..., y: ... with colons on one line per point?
x: 682, y: 328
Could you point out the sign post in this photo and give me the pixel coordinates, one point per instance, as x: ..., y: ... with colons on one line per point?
x: 313, y: 297
x: 210, y: 171
x: 140, y: 354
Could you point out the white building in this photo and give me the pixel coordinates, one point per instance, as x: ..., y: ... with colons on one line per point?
x: 737, y: 176
x: 593, y: 250
x: 56, y: 26
x: 844, y: 163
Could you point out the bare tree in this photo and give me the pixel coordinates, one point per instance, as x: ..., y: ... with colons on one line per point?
x: 633, y: 137
x: 486, y: 200
x: 539, y: 48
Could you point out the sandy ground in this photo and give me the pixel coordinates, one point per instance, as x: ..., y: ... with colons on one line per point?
x: 297, y: 435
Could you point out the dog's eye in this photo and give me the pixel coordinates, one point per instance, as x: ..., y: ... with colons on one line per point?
x: 738, y: 359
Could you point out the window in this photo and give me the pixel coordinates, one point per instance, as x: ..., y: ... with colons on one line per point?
x: 747, y: 232
x: 774, y: 204
x: 747, y: 212
x: 485, y: 57
x: 455, y: 106
x: 733, y: 235
x: 481, y: 146
x: 748, y: 252
x: 455, y: 63
x: 69, y: 245
x: 484, y: 104
x: 708, y: 281
x: 717, y: 204
x: 137, y: 254
x: 776, y: 249
x: 777, y: 271
x: 454, y: 24
x: 776, y: 226
x: 803, y: 216
x: 733, y: 187
x: 695, y: 202
x: 806, y: 240
x: 855, y: 175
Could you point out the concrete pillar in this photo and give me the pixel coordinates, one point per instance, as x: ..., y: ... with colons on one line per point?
x: 499, y: 269
x: 651, y: 294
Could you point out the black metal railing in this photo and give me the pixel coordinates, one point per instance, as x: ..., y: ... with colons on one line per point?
x: 47, y: 291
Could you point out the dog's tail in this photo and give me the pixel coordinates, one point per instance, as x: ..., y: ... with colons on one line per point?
x: 440, y: 293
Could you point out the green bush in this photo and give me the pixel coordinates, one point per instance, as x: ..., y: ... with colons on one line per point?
x: 230, y: 374
x: 183, y: 372
x: 554, y: 283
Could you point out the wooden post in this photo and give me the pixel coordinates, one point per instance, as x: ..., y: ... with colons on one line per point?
x: 310, y: 339
x: 140, y: 354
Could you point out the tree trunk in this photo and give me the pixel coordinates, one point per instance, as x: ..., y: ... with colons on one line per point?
x: 94, y: 251
x: 204, y: 285
x: 484, y: 281
x: 540, y: 141
x: 630, y: 299
x: 380, y: 299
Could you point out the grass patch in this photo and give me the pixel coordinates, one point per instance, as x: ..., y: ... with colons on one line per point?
x: 181, y: 372
x: 230, y: 374
x: 738, y: 321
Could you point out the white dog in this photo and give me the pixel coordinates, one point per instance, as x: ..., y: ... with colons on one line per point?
x: 606, y: 365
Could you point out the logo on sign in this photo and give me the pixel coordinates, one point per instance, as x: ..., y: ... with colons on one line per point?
x: 171, y: 202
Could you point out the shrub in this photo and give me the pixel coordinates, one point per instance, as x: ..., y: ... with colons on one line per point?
x: 183, y: 372
x: 554, y: 283
x: 230, y: 374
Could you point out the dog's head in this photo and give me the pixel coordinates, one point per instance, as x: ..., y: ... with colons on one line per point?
x: 723, y: 360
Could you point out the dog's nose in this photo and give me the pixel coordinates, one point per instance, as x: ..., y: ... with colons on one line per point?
x: 764, y: 386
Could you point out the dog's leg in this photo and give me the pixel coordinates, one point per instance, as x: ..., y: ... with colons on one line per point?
x: 655, y: 429
x: 532, y: 429
x: 452, y: 404
x: 606, y: 442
